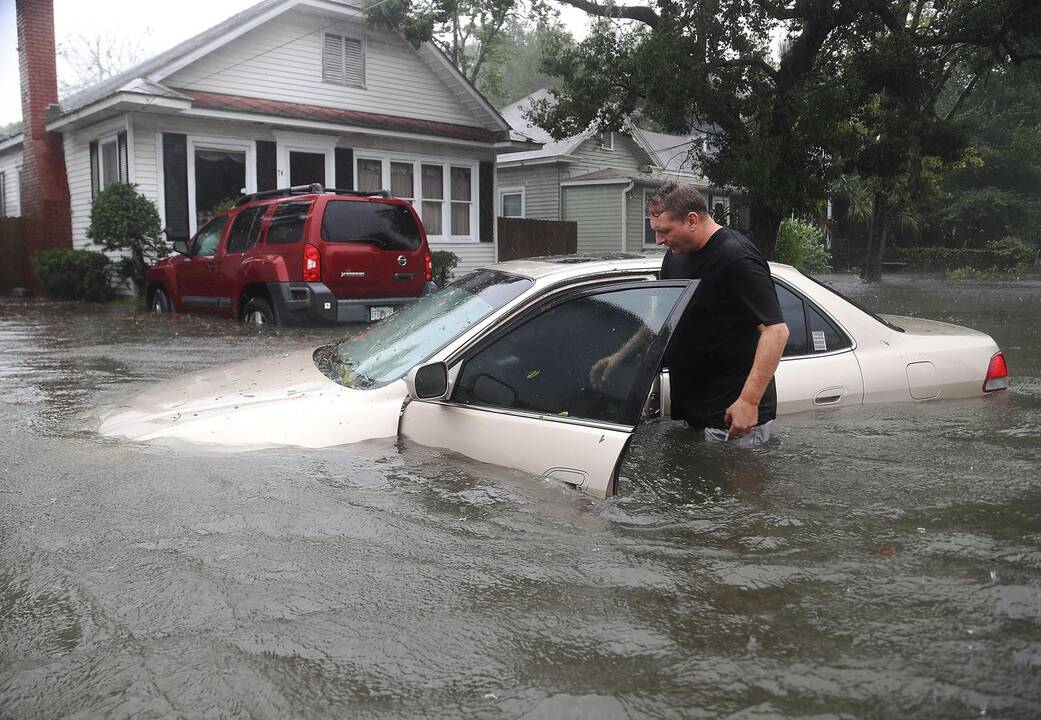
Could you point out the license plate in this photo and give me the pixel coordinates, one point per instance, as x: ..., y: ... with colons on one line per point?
x: 380, y: 312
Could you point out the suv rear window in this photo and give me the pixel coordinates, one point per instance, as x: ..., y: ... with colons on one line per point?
x: 386, y: 225
x: 287, y: 223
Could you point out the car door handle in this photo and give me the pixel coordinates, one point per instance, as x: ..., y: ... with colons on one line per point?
x: 829, y: 396
x: 211, y: 266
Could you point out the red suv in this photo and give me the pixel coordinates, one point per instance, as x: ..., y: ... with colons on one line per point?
x: 299, y: 255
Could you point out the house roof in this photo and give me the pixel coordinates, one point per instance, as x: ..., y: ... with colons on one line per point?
x: 605, y: 176
x: 672, y: 152
x: 10, y: 135
x: 279, y: 108
x: 551, y: 149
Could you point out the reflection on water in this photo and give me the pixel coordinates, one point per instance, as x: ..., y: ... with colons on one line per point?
x: 881, y: 561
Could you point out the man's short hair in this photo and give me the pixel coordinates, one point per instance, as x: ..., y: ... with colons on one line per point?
x: 677, y: 199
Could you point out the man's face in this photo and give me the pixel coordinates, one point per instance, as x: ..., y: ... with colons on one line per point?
x: 680, y: 236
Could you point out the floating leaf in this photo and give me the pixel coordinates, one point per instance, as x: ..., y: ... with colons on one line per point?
x: 563, y: 413
x: 534, y: 374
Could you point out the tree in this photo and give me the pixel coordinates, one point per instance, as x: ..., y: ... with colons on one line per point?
x: 124, y: 220
x: 781, y: 128
x: 516, y: 70
x: 88, y: 59
x: 470, y: 32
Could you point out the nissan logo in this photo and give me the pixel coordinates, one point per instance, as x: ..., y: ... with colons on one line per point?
x: 402, y: 261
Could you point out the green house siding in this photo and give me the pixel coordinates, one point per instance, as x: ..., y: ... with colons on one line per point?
x: 541, y: 185
x: 590, y: 157
x: 598, y: 211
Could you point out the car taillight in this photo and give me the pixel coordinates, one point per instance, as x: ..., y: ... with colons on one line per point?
x: 312, y: 264
x: 428, y: 262
x: 997, y: 374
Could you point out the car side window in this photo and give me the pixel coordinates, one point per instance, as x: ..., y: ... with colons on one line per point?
x: 809, y: 332
x: 287, y: 223
x: 242, y: 235
x: 546, y: 365
x: 207, y: 239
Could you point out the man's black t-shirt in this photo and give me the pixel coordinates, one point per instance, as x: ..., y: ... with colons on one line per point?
x: 714, y: 345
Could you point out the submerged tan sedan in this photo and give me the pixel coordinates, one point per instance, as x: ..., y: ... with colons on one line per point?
x: 497, y: 366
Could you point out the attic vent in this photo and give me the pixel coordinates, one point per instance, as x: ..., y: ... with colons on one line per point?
x: 343, y: 59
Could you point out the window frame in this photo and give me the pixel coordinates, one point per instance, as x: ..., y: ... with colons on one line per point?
x: 345, y: 34
x: 210, y: 142
x: 605, y: 140
x: 446, y: 164
x: 519, y: 190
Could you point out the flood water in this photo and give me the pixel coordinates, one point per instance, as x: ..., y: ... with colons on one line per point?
x: 871, y: 562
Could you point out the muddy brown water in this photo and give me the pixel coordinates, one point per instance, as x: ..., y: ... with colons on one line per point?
x: 872, y: 562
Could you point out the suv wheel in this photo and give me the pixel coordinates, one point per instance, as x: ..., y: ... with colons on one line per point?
x: 160, y: 303
x: 258, y: 312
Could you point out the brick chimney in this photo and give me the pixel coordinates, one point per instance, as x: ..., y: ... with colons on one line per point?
x: 46, y: 219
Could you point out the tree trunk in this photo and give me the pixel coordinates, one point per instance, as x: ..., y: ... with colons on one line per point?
x: 878, y: 230
x: 763, y: 231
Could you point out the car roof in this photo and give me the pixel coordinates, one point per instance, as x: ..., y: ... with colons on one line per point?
x: 586, y: 264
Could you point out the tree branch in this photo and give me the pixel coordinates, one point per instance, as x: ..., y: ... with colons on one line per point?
x: 645, y: 15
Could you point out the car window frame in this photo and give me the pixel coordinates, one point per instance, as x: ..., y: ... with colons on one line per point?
x: 251, y: 234
x: 828, y: 317
x: 547, y: 301
x: 193, y: 247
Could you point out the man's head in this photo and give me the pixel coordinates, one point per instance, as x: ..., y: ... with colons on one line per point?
x: 680, y: 218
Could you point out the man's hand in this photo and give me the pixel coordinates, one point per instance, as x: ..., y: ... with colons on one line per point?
x: 741, y: 417
x: 600, y: 373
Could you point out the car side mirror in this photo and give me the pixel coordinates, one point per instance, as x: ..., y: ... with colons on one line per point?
x: 428, y: 382
x: 180, y: 246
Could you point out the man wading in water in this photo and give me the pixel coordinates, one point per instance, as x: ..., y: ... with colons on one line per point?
x: 728, y: 343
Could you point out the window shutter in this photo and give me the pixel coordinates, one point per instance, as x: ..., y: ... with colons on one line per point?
x: 332, y: 58
x: 175, y: 185
x: 124, y: 166
x: 267, y: 165
x: 486, y: 208
x: 3, y: 194
x: 353, y: 62
x: 95, y: 176
x: 344, y: 168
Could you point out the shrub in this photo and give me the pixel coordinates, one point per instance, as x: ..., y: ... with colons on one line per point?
x: 801, y: 244
x: 123, y: 219
x: 444, y: 262
x: 74, y: 274
x: 1007, y: 255
x: 1012, y: 252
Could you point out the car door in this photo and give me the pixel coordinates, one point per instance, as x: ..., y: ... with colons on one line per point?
x: 240, y: 238
x: 819, y: 368
x: 525, y: 396
x: 195, y: 276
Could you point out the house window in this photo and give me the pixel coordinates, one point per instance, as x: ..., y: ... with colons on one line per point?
x: 461, y: 195
x: 433, y: 198
x: 444, y: 193
x: 220, y: 177
x: 108, y: 162
x: 511, y: 202
x: 605, y: 140
x: 343, y: 59
x: 370, y: 175
x: 720, y: 205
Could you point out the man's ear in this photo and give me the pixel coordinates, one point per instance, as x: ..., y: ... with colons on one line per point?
x: 692, y: 220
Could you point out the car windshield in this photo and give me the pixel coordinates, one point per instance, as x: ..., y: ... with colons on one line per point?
x: 386, y: 351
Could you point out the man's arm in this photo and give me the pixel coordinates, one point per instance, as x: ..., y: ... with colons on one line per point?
x: 744, y: 412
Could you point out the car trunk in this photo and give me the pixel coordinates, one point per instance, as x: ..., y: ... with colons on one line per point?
x: 371, y: 249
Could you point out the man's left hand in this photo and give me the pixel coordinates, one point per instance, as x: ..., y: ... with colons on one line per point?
x: 741, y: 417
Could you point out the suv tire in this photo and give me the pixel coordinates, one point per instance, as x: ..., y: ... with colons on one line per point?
x: 258, y: 312
x: 160, y: 302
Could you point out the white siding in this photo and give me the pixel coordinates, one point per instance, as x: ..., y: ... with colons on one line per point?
x: 471, y: 255
x: 77, y: 166
x: 282, y: 60
x: 598, y: 211
x: 541, y: 185
x: 10, y: 162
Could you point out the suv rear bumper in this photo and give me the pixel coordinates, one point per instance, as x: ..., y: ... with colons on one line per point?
x: 305, y: 303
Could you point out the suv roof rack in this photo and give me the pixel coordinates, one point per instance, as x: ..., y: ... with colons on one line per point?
x: 310, y: 189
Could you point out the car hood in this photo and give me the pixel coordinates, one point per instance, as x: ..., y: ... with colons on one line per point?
x: 283, y: 400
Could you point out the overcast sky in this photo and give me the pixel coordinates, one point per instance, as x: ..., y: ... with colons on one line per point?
x: 163, y: 25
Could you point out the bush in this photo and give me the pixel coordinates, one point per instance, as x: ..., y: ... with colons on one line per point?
x: 74, y: 274
x: 1007, y: 255
x: 801, y: 244
x: 444, y: 262
x: 124, y: 220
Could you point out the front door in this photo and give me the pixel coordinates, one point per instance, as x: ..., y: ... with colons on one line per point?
x: 306, y: 168
x: 558, y: 391
x: 196, y: 276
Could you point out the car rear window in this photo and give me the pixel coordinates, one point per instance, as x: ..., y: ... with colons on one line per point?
x: 287, y: 223
x: 386, y: 225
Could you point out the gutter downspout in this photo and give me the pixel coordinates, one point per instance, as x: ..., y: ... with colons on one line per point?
x: 625, y: 213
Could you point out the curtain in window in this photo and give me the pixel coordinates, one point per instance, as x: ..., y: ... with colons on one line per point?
x: 401, y: 184
x: 460, y: 201
x: 433, y: 192
x: 370, y: 175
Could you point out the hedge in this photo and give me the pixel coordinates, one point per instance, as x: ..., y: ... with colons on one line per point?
x: 74, y: 274
x: 1002, y: 255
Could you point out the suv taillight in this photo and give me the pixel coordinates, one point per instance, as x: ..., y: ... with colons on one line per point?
x: 997, y: 374
x: 312, y: 264
x: 428, y: 264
